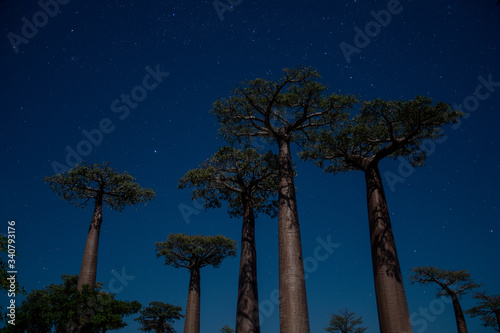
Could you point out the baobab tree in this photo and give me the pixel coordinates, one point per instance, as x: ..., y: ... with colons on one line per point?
x: 345, y: 322
x: 382, y: 129
x: 158, y: 317
x: 103, y: 185
x: 194, y: 253
x: 488, y: 309
x: 248, y: 181
x: 451, y: 283
x: 283, y: 112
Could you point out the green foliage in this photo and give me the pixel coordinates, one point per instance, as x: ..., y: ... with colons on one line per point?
x: 158, y: 317
x: 288, y: 108
x: 197, y: 251
x: 226, y: 329
x: 230, y: 174
x: 457, y: 282
x: 345, y: 322
x: 381, y: 129
x: 63, y: 308
x: 4, y: 283
x: 488, y: 309
x: 83, y: 182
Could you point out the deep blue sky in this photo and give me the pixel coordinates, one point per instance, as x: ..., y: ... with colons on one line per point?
x: 65, y: 79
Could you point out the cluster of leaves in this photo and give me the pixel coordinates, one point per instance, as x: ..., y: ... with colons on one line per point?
x: 488, y: 309
x: 458, y: 282
x: 381, y: 129
x: 4, y: 283
x: 158, y: 317
x: 195, y: 251
x: 226, y: 329
x: 85, y: 182
x: 230, y: 175
x: 63, y: 308
x: 345, y: 322
x: 283, y: 109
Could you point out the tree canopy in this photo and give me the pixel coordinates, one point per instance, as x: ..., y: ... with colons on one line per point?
x: 458, y: 282
x: 381, y: 129
x: 4, y: 283
x: 488, y: 309
x: 284, y: 109
x: 83, y: 182
x: 345, y: 322
x: 158, y: 317
x: 226, y: 329
x: 181, y: 250
x: 231, y: 173
x: 64, y: 308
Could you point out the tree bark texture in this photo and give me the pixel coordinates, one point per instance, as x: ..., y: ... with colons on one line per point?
x: 192, y: 322
x: 459, y: 314
x: 247, y: 310
x: 392, y: 307
x: 88, y: 269
x: 294, y: 316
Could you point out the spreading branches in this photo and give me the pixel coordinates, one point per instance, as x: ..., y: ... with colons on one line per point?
x: 488, y: 309
x: 345, y: 322
x: 84, y: 182
x: 449, y: 282
x: 197, y: 251
x: 230, y: 174
x: 285, y: 109
x: 381, y: 129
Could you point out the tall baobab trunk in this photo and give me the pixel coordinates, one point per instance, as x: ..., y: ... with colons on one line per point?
x: 392, y: 308
x: 88, y: 270
x: 459, y: 314
x: 247, y: 310
x: 192, y: 322
x: 294, y: 316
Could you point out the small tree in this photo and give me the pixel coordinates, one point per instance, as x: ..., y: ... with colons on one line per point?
x: 103, y: 185
x: 345, y: 322
x: 158, y: 317
x: 248, y: 181
x: 283, y: 112
x: 382, y: 129
x: 451, y: 283
x: 226, y: 329
x: 488, y: 309
x: 194, y: 253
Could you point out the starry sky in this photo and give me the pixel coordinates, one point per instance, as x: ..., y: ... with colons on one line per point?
x: 145, y: 74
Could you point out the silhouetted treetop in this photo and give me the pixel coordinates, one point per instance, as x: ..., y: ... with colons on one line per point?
x: 381, y: 129
x: 231, y: 174
x: 186, y: 251
x: 85, y: 182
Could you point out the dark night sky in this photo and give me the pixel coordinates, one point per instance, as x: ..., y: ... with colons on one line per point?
x: 65, y: 78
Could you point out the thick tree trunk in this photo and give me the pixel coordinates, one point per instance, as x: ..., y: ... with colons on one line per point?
x: 247, y: 310
x: 392, y: 308
x: 459, y: 314
x: 88, y: 269
x: 192, y: 322
x: 294, y: 316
